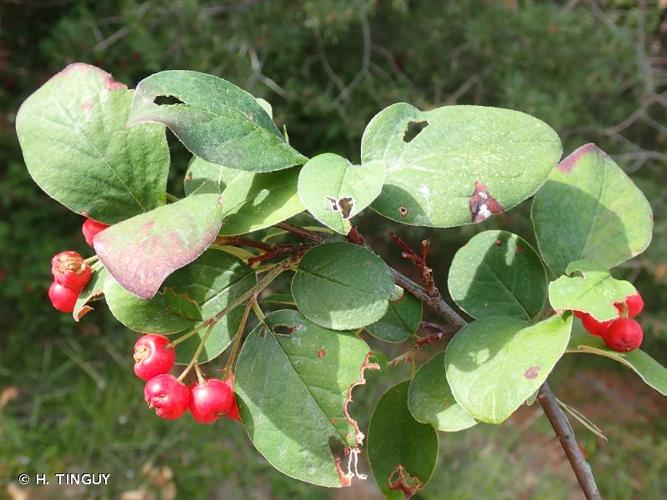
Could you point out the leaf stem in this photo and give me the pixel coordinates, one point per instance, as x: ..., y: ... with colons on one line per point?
x: 200, y: 374
x: 187, y: 335
x: 238, y: 337
x: 195, y: 357
x: 265, y: 281
x: 91, y: 260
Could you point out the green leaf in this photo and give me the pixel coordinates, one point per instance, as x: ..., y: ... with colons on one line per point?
x: 215, y: 120
x: 142, y: 251
x: 401, y: 320
x: 342, y: 286
x: 249, y: 201
x: 402, y: 452
x: 333, y: 190
x: 431, y: 401
x: 497, y: 273
x: 650, y: 371
x: 595, y: 293
x: 590, y: 209
x: 78, y: 150
x: 295, y: 389
x: 206, y: 177
x: 494, y: 364
x: 94, y: 290
x: 211, y: 282
x: 463, y: 164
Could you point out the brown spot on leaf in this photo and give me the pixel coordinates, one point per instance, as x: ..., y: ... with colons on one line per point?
x: 483, y: 204
x: 413, y: 130
x: 403, y: 211
x: 518, y: 249
x: 321, y: 353
x: 498, y: 243
x: 532, y: 372
x: 400, y: 479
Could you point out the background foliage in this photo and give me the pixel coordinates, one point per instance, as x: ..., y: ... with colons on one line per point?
x: 594, y: 70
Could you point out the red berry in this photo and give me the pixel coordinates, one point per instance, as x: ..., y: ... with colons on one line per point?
x: 593, y: 326
x: 210, y: 400
x: 167, y: 396
x: 62, y: 298
x: 152, y: 356
x: 90, y: 228
x: 623, y: 335
x: 634, y: 303
x: 70, y: 270
x: 233, y: 412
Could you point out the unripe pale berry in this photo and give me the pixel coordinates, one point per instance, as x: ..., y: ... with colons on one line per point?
x: 70, y: 270
x: 152, y: 356
x: 623, y: 335
x: 169, y: 397
x: 633, y: 303
x: 210, y: 400
x: 233, y: 412
x: 62, y: 298
x: 90, y: 228
x: 593, y: 326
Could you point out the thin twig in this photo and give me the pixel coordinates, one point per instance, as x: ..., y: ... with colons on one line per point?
x: 568, y: 441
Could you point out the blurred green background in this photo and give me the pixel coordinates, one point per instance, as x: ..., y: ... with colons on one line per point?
x: 594, y: 70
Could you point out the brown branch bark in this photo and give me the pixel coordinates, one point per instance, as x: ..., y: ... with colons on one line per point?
x: 568, y: 441
x: 556, y: 417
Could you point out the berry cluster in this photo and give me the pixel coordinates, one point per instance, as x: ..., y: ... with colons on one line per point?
x: 71, y: 273
x: 207, y: 399
x: 622, y: 334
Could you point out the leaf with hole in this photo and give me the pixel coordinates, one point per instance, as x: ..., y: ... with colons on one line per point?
x: 648, y: 369
x: 401, y: 320
x: 295, y: 385
x: 141, y: 252
x: 431, y: 401
x: 334, y: 190
x: 94, y: 290
x: 211, y: 282
x: 493, y: 365
x: 457, y: 165
x: 590, y: 209
x: 342, y: 286
x: 594, y: 292
x: 401, y: 451
x: 497, y: 273
x: 79, y: 151
x: 215, y: 120
x: 250, y: 201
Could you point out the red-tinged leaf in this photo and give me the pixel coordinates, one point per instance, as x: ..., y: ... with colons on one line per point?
x: 141, y: 252
x: 77, y: 148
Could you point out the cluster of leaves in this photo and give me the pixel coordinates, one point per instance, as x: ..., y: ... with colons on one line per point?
x: 175, y: 267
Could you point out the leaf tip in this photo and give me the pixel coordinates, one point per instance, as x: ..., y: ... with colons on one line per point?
x: 568, y: 164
